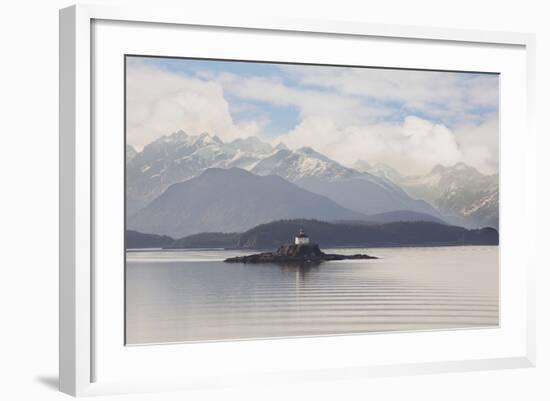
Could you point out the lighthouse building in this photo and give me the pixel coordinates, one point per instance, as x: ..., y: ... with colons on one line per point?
x: 301, y: 238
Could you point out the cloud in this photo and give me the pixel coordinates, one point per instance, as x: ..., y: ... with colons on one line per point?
x: 344, y: 126
x: 448, y: 96
x: 160, y: 102
x: 410, y: 120
x: 308, y: 102
x: 413, y: 146
x: 396, y: 117
x: 480, y: 144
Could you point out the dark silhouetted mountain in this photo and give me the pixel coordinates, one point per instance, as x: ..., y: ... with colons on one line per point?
x: 273, y: 235
x: 136, y: 240
x: 206, y: 240
x: 396, y: 216
x: 232, y: 200
x: 354, y: 234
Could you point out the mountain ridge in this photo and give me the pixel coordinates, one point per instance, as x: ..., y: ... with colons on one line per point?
x: 459, y: 190
x: 231, y: 200
x: 179, y: 157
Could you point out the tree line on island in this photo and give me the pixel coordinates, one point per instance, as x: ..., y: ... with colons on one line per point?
x: 335, y: 234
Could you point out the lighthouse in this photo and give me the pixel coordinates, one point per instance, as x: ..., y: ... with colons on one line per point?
x: 301, y: 238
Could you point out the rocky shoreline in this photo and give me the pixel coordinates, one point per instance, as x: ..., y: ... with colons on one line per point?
x: 296, y: 254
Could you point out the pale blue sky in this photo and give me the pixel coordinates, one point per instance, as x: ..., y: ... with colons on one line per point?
x: 283, y: 118
x: 366, y: 106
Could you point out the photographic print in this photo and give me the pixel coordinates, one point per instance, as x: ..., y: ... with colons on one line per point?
x: 269, y: 200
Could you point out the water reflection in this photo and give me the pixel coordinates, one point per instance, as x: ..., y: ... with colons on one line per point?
x: 299, y: 269
x: 185, y: 296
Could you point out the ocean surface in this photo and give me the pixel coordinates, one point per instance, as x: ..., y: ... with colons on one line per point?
x: 191, y: 295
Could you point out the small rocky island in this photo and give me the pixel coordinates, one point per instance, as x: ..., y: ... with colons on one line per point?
x: 301, y: 252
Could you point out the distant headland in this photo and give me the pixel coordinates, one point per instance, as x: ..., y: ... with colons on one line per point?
x: 357, y: 234
x: 300, y: 252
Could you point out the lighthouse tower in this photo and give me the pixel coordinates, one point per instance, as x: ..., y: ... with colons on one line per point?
x: 301, y: 238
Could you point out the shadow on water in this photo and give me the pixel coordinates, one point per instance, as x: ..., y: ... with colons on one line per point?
x: 52, y: 382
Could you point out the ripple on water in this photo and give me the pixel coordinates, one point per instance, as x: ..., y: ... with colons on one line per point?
x: 190, y: 296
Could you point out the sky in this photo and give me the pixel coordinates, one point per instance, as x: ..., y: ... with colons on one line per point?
x: 408, y: 119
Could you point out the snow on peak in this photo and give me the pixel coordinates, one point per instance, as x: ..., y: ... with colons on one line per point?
x: 251, y: 144
x: 178, y: 136
x: 206, y: 139
x: 302, y: 163
x: 280, y: 146
x: 310, y: 152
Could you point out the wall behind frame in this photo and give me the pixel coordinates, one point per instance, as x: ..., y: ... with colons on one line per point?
x: 29, y: 208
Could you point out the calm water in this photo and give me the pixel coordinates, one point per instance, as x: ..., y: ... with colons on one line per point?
x: 192, y: 295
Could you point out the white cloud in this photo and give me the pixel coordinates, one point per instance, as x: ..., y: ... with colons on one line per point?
x: 480, y: 144
x: 308, y: 102
x: 441, y: 94
x: 160, y: 102
x: 336, y: 120
x: 381, y: 116
x: 412, y: 147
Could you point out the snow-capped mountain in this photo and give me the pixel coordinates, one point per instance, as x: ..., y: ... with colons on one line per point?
x: 458, y: 190
x: 302, y: 163
x: 362, y: 192
x: 485, y: 210
x: 178, y: 157
x: 378, y: 170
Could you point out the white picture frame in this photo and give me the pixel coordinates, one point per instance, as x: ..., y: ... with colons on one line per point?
x: 82, y: 344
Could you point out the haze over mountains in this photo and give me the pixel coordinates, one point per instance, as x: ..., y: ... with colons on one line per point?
x: 456, y: 191
x: 230, y: 200
x: 178, y: 157
x: 184, y: 184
